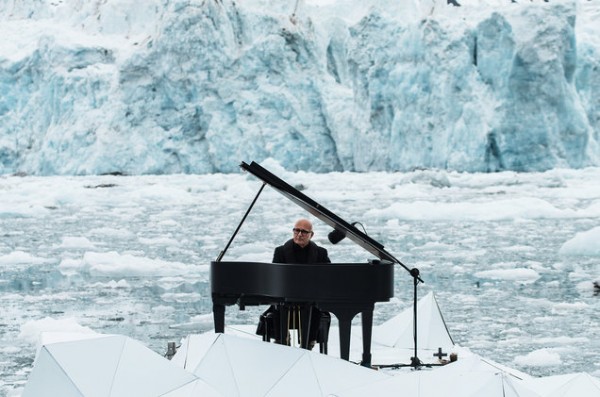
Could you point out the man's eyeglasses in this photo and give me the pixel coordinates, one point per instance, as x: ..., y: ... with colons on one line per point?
x: 301, y: 231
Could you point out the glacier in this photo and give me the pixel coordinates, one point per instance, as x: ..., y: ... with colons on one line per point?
x: 195, y: 86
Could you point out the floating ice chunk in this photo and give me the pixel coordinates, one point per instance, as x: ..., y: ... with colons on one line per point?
x: 11, y: 210
x: 253, y: 252
x: 539, y: 358
x: 168, y: 223
x: 567, y: 307
x: 206, y: 319
x: 54, y: 297
x: 75, y: 242
x: 112, y: 284
x: 31, y: 330
x: 562, y: 340
x: 518, y: 248
x: 520, y: 275
x: 434, y: 178
x: 163, y: 241
x: 584, y: 243
x: 275, y: 167
x: 22, y: 258
x: 70, y: 266
x: 553, y: 284
x: 507, y: 209
x: 115, y: 264
x: 434, y: 246
x: 111, y: 232
x: 181, y: 297
x: 202, y: 321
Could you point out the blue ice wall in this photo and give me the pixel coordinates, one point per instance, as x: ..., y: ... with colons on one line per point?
x: 191, y: 86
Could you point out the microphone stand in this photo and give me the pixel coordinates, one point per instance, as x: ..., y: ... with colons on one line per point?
x: 414, y: 272
x: 414, y: 361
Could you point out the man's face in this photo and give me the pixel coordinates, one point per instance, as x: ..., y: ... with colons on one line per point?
x: 302, y: 232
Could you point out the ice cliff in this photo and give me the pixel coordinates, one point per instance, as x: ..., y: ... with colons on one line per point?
x: 196, y: 86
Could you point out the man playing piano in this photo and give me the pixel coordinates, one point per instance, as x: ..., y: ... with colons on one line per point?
x: 298, y: 250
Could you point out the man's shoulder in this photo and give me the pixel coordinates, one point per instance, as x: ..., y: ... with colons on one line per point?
x: 285, y: 246
x: 316, y: 246
x: 321, y: 249
x: 322, y: 254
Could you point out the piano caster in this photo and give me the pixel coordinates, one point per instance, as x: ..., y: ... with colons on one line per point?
x: 366, y: 360
x: 323, y: 347
x: 323, y: 334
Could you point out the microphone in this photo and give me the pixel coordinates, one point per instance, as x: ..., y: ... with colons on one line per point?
x: 335, y: 236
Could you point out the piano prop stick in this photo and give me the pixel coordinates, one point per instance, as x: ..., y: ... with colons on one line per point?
x: 344, y: 289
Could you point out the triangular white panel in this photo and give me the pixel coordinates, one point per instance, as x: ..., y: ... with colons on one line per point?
x: 435, y: 333
x: 91, y: 363
x: 492, y: 387
x: 194, y: 389
x: 300, y: 381
x: 48, y: 375
x: 580, y: 384
x: 475, y: 364
x: 431, y: 328
x: 519, y: 388
x: 490, y: 384
x: 258, y: 365
x: 193, y: 348
x: 143, y: 372
x: 49, y: 337
x: 335, y: 374
x: 215, y: 368
x: 402, y: 384
x: 395, y: 330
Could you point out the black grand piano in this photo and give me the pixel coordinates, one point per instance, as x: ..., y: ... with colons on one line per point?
x: 344, y: 289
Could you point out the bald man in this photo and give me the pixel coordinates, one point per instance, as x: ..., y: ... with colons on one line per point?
x: 300, y: 249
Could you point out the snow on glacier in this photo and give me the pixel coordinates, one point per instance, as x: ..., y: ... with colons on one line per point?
x: 193, y: 86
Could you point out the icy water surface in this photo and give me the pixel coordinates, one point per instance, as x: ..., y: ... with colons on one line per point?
x: 131, y: 255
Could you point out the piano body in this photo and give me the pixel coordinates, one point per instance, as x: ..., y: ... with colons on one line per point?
x: 344, y: 289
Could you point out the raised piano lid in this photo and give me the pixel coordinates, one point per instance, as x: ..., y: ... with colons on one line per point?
x: 319, y: 211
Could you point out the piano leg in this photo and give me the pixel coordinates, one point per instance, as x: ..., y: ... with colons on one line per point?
x: 284, y: 333
x: 306, y: 318
x: 345, y: 314
x: 345, y: 317
x: 367, y: 331
x: 219, y: 317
